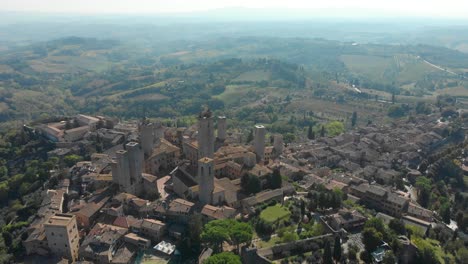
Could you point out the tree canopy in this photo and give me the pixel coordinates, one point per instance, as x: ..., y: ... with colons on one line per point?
x: 216, y: 232
x: 223, y: 258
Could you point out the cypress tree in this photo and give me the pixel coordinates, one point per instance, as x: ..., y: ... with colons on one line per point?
x: 337, y: 249
x: 310, y: 133
x: 327, y: 255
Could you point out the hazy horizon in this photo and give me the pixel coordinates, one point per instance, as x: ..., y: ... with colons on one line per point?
x: 450, y: 9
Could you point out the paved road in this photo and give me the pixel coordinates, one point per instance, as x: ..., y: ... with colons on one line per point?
x: 439, y: 68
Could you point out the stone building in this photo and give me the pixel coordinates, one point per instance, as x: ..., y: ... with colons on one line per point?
x: 62, y: 236
x: 128, y: 168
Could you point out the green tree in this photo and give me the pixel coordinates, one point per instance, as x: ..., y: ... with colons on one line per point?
x: 275, y: 179
x: 353, y: 249
x: 214, y: 234
x: 376, y: 223
x: 354, y: 119
x: 310, y: 133
x: 327, y: 254
x: 250, y: 136
x: 289, y: 237
x: 4, y: 189
x: 423, y: 184
x: 389, y: 258
x: 371, y: 238
x: 398, y: 226
x: 427, y: 256
x: 444, y: 212
x: 71, y: 160
x: 422, y: 108
x: 7, y: 238
x: 334, y: 128
x: 240, y: 233
x: 218, y: 231
x: 322, y: 131
x: 289, y: 137
x: 195, y: 230
x: 462, y: 254
x: 223, y: 258
x: 337, y: 249
x: 3, y: 172
x: 396, y: 111
x: 251, y: 184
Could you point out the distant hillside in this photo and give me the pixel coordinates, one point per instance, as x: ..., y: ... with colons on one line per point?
x: 178, y: 77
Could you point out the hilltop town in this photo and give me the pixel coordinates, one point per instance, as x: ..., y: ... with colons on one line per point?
x: 147, y: 191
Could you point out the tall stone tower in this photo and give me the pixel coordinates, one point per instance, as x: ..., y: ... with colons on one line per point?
x: 259, y: 142
x: 62, y: 236
x: 135, y: 165
x: 205, y: 135
x: 121, y: 171
x: 158, y: 133
x: 278, y: 144
x: 222, y: 128
x: 205, y: 180
x: 147, y: 137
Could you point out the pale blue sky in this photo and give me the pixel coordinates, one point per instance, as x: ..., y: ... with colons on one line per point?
x: 437, y: 8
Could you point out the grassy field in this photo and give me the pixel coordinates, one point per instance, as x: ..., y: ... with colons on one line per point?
x: 372, y: 67
x: 455, y: 91
x: 254, y: 76
x: 268, y: 243
x: 233, y: 93
x: 274, y: 213
x: 154, y: 87
x: 414, y: 71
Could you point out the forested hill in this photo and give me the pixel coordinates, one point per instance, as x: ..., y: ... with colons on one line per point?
x: 182, y: 89
x: 75, y: 74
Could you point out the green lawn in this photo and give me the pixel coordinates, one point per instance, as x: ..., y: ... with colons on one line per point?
x: 274, y: 213
x: 268, y: 243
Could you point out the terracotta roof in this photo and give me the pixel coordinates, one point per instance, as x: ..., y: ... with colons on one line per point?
x: 152, y: 224
x: 217, y: 212
x: 180, y: 206
x: 149, y: 177
x: 396, y: 199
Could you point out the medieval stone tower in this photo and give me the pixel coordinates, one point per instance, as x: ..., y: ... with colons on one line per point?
x: 205, y: 135
x: 127, y: 169
x: 147, y: 137
x: 221, y: 128
x: 121, y: 171
x: 206, y: 180
x: 135, y: 164
x: 259, y: 142
x: 278, y: 144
